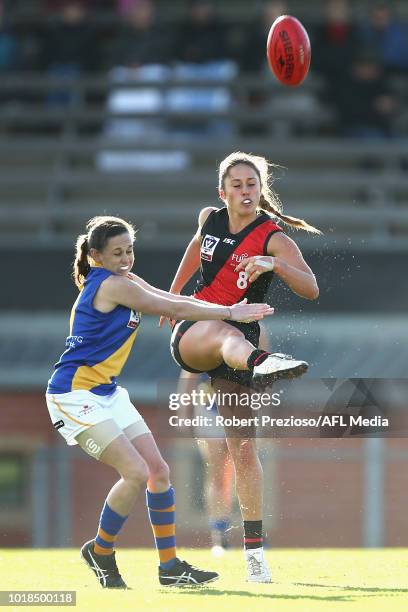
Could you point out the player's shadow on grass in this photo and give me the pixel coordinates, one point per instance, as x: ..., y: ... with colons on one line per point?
x: 214, y: 592
x: 352, y: 588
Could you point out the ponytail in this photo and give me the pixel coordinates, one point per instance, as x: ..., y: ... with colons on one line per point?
x: 81, y: 263
x: 265, y: 205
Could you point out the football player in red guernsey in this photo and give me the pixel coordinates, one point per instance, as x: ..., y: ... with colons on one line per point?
x: 238, y: 249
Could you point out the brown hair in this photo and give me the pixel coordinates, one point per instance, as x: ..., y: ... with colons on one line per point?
x: 269, y: 200
x: 100, y: 229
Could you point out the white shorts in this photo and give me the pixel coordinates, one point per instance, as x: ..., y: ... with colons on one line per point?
x: 74, y: 412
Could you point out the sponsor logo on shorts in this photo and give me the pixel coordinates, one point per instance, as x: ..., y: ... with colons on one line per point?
x: 92, y: 446
x: 59, y: 424
x: 134, y: 319
x: 86, y: 410
x: 208, y: 247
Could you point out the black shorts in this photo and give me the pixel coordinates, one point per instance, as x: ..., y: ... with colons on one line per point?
x: 242, y: 377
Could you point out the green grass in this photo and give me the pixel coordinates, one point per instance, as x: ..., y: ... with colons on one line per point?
x: 303, y: 580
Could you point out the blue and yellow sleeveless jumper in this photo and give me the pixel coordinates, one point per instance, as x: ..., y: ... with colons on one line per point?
x: 98, y: 344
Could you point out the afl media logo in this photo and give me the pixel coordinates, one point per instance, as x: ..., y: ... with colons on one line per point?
x: 92, y: 446
x: 208, y: 247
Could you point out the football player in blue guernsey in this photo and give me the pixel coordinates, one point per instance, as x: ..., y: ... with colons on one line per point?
x: 238, y: 248
x: 88, y: 408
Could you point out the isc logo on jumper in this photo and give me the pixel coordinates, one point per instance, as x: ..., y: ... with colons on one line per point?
x: 134, y: 319
x: 208, y: 247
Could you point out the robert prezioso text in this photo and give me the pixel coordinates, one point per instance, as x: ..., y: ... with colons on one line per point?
x: 332, y: 420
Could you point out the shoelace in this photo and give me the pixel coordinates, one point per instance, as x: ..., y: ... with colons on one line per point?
x: 113, y: 567
x: 255, y: 566
x: 191, y: 567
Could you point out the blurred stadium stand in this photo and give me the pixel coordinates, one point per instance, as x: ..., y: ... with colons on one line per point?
x: 52, y: 181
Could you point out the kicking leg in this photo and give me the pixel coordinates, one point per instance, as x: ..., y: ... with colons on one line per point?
x: 207, y: 344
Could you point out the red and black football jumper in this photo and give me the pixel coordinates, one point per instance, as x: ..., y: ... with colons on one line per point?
x: 221, y: 252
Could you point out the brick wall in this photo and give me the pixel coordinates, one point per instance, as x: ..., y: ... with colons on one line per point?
x: 313, y: 488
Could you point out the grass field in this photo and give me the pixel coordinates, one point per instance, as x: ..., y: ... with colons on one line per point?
x: 303, y: 580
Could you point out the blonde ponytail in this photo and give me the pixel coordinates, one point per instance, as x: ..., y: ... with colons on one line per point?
x: 265, y: 205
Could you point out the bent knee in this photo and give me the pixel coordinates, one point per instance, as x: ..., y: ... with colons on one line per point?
x: 233, y: 332
x: 232, y: 339
x: 160, y: 471
x: 136, y: 473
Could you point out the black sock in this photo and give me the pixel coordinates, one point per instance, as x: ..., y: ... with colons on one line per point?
x: 256, y: 357
x: 253, y: 534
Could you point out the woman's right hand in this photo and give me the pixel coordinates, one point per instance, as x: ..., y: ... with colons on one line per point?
x: 162, y: 319
x: 245, y: 313
x: 171, y: 322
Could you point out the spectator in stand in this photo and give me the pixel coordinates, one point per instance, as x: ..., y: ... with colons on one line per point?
x: 142, y: 51
x: 251, y: 55
x: 124, y: 6
x: 290, y: 111
x: 52, y: 6
x: 142, y: 39
x: 69, y: 48
x: 387, y: 36
x: 9, y: 51
x: 202, y: 36
x: 334, y: 44
x: 365, y: 104
x: 202, y: 53
x: 69, y: 40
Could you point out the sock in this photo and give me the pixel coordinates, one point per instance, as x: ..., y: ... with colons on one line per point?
x: 253, y: 534
x: 257, y: 357
x: 218, y: 528
x: 110, y: 524
x: 161, y: 510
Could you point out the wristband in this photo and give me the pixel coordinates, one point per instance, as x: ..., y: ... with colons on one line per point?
x: 260, y: 262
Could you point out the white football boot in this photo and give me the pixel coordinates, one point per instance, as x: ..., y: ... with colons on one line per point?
x: 257, y: 567
x: 277, y: 366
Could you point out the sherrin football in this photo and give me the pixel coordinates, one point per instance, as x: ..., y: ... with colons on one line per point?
x: 288, y: 50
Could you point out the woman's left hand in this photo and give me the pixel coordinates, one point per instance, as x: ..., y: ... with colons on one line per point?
x: 255, y: 266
